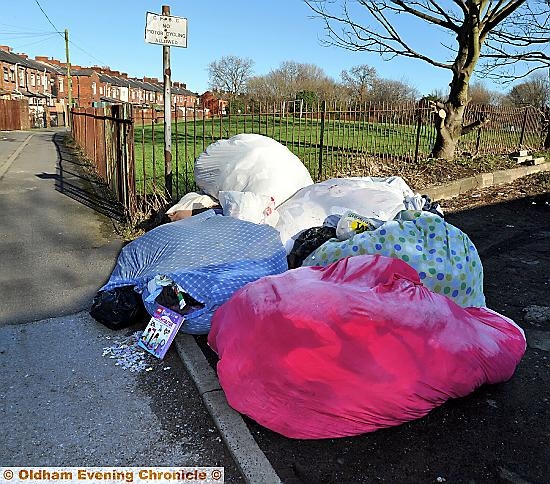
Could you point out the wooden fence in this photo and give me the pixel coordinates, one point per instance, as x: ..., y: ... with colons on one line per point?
x: 14, y: 114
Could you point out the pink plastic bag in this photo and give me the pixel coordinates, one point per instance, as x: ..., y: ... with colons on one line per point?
x: 354, y: 347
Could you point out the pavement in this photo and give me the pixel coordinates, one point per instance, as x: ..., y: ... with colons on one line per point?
x: 73, y: 395
x: 70, y: 395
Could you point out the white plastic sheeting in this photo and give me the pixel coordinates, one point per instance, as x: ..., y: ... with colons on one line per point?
x: 251, y: 163
x: 372, y: 197
x: 249, y: 206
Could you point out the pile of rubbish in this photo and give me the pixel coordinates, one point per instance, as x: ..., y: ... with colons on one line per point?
x: 336, y: 308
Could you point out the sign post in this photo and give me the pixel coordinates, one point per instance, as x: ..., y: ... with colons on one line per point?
x: 166, y: 30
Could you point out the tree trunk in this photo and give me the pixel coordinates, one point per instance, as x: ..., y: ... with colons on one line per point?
x: 448, y: 124
x: 546, y: 118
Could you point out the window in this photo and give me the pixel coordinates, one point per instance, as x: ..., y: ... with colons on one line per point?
x: 60, y: 84
x: 6, y: 74
x: 12, y: 74
x: 94, y: 88
x: 101, y: 90
x: 33, y: 80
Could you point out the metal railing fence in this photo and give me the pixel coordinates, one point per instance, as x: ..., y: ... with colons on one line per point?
x: 127, y: 146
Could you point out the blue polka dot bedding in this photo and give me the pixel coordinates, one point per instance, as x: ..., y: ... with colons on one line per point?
x: 444, y: 256
x: 209, y: 256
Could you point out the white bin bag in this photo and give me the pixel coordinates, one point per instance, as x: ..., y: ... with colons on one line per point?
x: 251, y: 163
x: 372, y: 197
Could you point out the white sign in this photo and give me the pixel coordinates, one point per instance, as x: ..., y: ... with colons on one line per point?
x: 166, y: 30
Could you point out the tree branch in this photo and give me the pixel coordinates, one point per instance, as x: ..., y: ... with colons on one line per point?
x: 362, y: 38
x: 475, y: 125
x: 428, y: 18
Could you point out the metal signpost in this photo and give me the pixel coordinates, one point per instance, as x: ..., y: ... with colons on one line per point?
x: 167, y: 31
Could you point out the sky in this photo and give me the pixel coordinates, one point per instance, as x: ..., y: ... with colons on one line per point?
x: 111, y: 33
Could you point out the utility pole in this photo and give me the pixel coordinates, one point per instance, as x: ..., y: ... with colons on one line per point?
x: 167, y: 112
x: 69, y: 80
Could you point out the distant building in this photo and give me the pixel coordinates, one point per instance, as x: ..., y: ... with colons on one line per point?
x: 21, y: 77
x: 212, y: 104
x: 43, y: 82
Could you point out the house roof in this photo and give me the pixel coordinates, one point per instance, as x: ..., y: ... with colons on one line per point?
x: 183, y: 92
x: 148, y: 86
x: 110, y: 100
x: 113, y: 80
x: 82, y: 72
x: 12, y: 58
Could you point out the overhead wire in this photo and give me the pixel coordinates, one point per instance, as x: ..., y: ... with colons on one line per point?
x: 86, y: 52
x: 71, y: 42
x: 37, y: 41
x: 48, y: 18
x: 27, y: 34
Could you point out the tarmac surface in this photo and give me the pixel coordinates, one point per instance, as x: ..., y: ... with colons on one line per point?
x: 68, y: 396
x: 498, y: 434
x: 67, y: 402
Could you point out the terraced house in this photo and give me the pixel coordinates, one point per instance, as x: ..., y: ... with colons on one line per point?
x: 43, y: 83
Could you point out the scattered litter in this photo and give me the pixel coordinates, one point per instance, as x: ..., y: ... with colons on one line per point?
x: 166, y: 368
x: 533, y: 203
x: 475, y: 195
x: 510, y: 226
x: 441, y: 479
x: 127, y: 353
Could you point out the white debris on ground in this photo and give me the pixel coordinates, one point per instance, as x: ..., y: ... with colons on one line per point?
x: 128, y: 354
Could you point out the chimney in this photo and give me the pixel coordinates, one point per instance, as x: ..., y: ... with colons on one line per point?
x: 5, y: 48
x: 24, y: 56
x: 51, y: 61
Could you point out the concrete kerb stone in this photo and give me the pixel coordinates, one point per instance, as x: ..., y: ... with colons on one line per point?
x: 459, y: 187
x: 251, y: 461
x: 200, y: 371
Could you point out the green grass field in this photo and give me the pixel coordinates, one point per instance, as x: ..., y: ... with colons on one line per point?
x: 344, y: 142
x: 348, y: 145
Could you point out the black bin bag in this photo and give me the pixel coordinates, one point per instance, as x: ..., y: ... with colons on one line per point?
x: 118, y: 308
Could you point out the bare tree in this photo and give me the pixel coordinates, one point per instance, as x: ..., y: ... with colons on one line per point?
x: 518, y: 46
x: 230, y: 74
x: 389, y: 90
x: 359, y: 81
x: 533, y: 92
x: 480, y: 94
x: 490, y: 29
x: 289, y: 79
